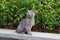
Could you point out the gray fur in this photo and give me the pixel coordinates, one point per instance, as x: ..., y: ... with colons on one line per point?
x: 26, y: 24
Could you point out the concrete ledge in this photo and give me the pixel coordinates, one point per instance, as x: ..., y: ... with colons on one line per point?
x: 5, y: 33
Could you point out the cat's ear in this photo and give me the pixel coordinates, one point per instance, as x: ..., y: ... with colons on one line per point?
x: 28, y: 10
x: 34, y: 11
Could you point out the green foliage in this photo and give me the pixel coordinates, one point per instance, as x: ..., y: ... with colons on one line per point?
x: 47, y: 11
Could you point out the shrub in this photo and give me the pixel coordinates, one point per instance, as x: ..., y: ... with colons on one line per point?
x: 47, y: 11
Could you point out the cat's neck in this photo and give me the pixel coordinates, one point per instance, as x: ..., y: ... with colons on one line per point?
x: 30, y: 18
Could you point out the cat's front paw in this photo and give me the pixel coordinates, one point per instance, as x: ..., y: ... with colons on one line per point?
x: 29, y: 33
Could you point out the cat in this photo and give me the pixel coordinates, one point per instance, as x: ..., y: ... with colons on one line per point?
x: 26, y: 24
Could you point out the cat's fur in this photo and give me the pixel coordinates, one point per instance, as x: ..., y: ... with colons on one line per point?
x: 26, y: 24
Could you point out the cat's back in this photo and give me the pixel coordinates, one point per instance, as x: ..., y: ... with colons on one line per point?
x: 23, y: 22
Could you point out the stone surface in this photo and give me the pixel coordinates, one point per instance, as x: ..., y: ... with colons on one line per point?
x: 7, y: 39
x: 5, y: 33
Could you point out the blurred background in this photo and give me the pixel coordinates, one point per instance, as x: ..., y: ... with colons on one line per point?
x: 47, y: 18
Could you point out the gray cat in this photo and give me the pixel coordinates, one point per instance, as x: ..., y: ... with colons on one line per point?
x: 26, y: 24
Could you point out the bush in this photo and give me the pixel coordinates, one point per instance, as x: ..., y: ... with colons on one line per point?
x: 47, y: 11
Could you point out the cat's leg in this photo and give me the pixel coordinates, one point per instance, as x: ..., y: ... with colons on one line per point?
x: 28, y: 30
x: 19, y: 30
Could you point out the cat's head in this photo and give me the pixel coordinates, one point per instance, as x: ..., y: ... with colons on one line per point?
x: 30, y: 13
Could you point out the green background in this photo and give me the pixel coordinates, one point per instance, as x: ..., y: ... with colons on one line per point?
x: 47, y: 11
